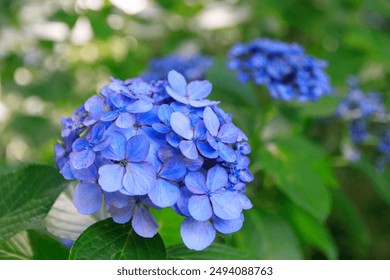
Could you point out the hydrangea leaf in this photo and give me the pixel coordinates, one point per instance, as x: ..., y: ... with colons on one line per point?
x: 119, y: 241
x: 26, y: 196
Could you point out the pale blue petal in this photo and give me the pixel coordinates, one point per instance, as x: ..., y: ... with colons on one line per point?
x: 121, y: 215
x: 109, y: 116
x: 228, y: 133
x: 182, y: 202
x: 176, y: 96
x: 137, y: 148
x: 66, y: 171
x: 83, y: 159
x: 139, y: 178
x: 188, y: 149
x: 217, y: 178
x: 196, y: 183
x: 103, y: 144
x: 181, y: 125
x: 144, y: 224
x: 164, y: 113
x: 85, y: 174
x: 194, y: 164
x: 166, y: 152
x: 228, y: 226
x: 139, y: 106
x: 117, y: 199
x: 202, y: 103
x: 200, y: 129
x: 200, y: 208
x: 211, y: 121
x: 246, y: 176
x: 246, y: 204
x: 125, y: 120
x: 111, y: 176
x: 226, y: 152
x: 197, y: 235
x: 161, y: 128
x: 164, y: 193
x: 177, y: 82
x: 226, y: 205
x: 173, y: 169
x: 95, y: 106
x: 212, y: 141
x: 119, y: 100
x: 199, y: 89
x: 87, y: 198
x: 206, y: 150
x: 117, y: 148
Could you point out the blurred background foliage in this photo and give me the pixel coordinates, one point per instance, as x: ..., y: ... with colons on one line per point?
x: 308, y: 201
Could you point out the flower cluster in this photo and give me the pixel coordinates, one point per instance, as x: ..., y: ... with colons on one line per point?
x: 365, y: 115
x: 140, y: 145
x: 191, y: 67
x: 284, y: 68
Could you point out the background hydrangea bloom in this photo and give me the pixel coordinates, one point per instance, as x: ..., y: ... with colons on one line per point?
x: 287, y: 71
x: 140, y: 145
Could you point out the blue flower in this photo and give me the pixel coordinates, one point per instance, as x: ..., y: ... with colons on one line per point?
x: 284, y: 68
x: 192, y: 94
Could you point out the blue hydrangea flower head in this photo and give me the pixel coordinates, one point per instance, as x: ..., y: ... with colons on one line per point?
x: 285, y: 69
x: 139, y: 145
x: 193, y: 67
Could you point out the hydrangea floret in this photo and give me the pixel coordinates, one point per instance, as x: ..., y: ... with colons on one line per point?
x: 139, y: 145
x: 285, y: 69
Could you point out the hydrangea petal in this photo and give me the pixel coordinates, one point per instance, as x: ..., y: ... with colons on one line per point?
x: 173, y: 169
x: 182, y: 202
x: 109, y: 116
x: 121, y: 215
x: 228, y: 226
x: 200, y: 207
x: 199, y: 89
x: 226, y: 205
x: 226, y: 152
x: 206, y: 150
x: 197, y: 235
x: 196, y: 183
x: 202, y: 103
x: 164, y: 193
x: 164, y: 113
x: 176, y: 96
x: 144, y: 224
x: 79, y: 145
x: 139, y: 178
x: 211, y: 121
x: 137, y: 148
x: 228, y: 133
x: 173, y: 139
x: 125, y: 120
x: 87, y: 198
x: 181, y: 125
x: 188, y: 148
x: 139, y: 106
x: 117, y: 199
x: 83, y: 159
x: 217, y: 178
x: 110, y: 177
x: 246, y: 204
x: 177, y: 82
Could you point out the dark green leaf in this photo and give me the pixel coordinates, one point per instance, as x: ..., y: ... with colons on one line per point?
x: 267, y: 236
x: 26, y: 196
x: 214, y: 252
x: 302, y: 171
x: 107, y: 240
x: 33, y: 245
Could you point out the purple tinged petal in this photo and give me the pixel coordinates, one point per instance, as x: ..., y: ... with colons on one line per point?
x: 194, y: 164
x: 95, y: 106
x: 202, y: 103
x: 139, y: 106
x: 79, y: 145
x: 211, y: 121
x: 83, y: 159
x: 226, y: 152
x: 144, y: 224
x: 181, y: 125
x: 188, y: 148
x: 228, y: 226
x: 246, y: 176
x: 109, y: 116
x: 85, y: 174
x: 226, y: 205
x: 228, y: 133
x: 246, y: 204
x: 103, y: 144
x: 176, y: 96
x: 125, y: 120
x: 182, y: 202
x: 117, y: 199
x: 121, y: 215
x: 139, y: 178
x: 110, y: 177
x: 119, y: 100
x: 164, y: 113
x: 137, y: 148
x: 164, y: 193
x: 177, y: 82
x: 197, y: 235
x: 199, y: 89
x: 117, y: 148
x: 66, y: 171
x: 173, y: 169
x: 200, y: 208
x: 166, y: 152
x: 196, y: 183
x: 87, y: 198
x: 97, y: 132
x: 207, y: 150
x: 217, y: 178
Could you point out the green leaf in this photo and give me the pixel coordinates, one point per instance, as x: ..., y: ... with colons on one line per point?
x: 169, y: 225
x: 26, y: 196
x: 107, y: 240
x: 215, y: 251
x: 302, y: 171
x: 311, y: 231
x: 267, y: 236
x: 380, y: 180
x: 33, y: 245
